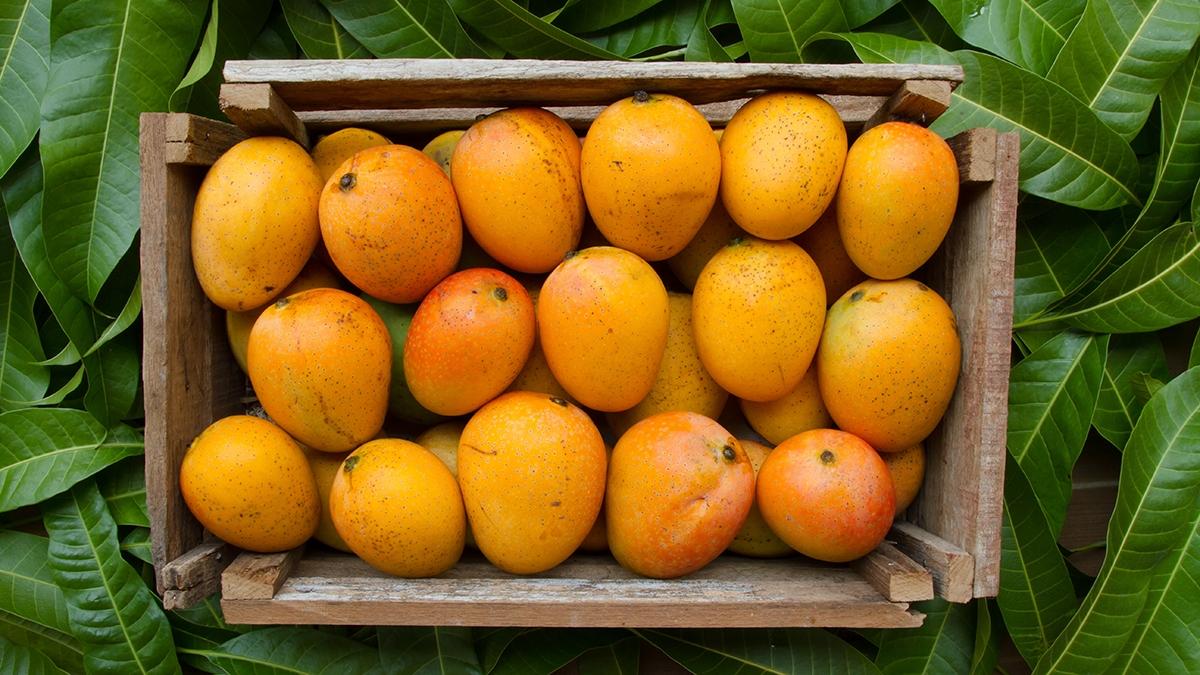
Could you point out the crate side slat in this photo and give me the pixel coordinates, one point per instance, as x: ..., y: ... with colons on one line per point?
x: 422, y: 83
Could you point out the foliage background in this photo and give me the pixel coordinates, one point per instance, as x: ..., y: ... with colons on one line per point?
x: 1105, y: 95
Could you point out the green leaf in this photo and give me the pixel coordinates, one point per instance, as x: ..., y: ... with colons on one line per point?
x: 62, y: 648
x: 67, y: 356
x: 523, y: 34
x: 1194, y: 355
x: 1120, y: 54
x: 943, y: 644
x: 27, y: 587
x: 112, y: 379
x: 916, y: 20
x: 124, y: 488
x: 702, y: 45
x: 319, y: 34
x: 987, y: 642
x: 1051, y: 396
x: 491, y: 643
x: 21, y: 376
x: 1154, y: 515
x: 428, y: 651
x: 285, y: 649
x: 131, y: 310
x: 17, y: 658
x: 1117, y: 408
x: 207, y: 614
x: 588, y: 17
x: 777, y: 31
x: 669, y: 24
x: 24, y: 48
x: 112, y: 611
x: 1029, y: 33
x: 759, y: 651
x: 108, y: 64
x: 275, y: 40
x: 405, y: 28
x: 137, y: 544
x: 1158, y: 287
x: 546, y: 650
x: 239, y: 26
x: 202, y: 62
x: 865, y: 11
x: 1036, y: 597
x: 620, y: 658
x: 54, y: 398
x: 1056, y: 251
x: 44, y: 451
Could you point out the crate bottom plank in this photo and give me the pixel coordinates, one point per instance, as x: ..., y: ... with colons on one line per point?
x: 587, y: 590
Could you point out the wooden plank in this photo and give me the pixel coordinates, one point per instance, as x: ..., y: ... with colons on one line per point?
x: 256, y: 576
x: 896, y: 576
x: 584, y: 591
x: 218, y: 136
x: 962, y: 496
x: 453, y: 83
x: 259, y: 111
x: 919, y: 101
x: 975, y: 150
x: 196, y: 574
x: 952, y: 568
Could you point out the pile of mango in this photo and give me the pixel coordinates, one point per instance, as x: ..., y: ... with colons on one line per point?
x: 522, y: 341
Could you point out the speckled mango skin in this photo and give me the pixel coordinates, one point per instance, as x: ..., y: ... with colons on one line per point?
x: 441, y: 148
x: 907, y: 469
x: 756, y: 539
x: 757, y: 313
x: 536, y: 375
x: 781, y: 157
x: 320, y: 362
x: 823, y: 242
x: 596, y: 540
x: 797, y: 411
x: 442, y: 440
x: 248, y: 483
x: 650, y: 174
x: 516, y: 173
x: 399, y: 509
x: 827, y: 494
x: 602, y: 321
x: 390, y: 221
x: 897, y: 198
x: 238, y: 324
x: 889, y: 362
x: 532, y: 470
x: 325, y: 467
x: 718, y: 229
x: 468, y: 340
x: 331, y: 151
x: 682, y: 382
x: 254, y: 224
x: 679, y: 489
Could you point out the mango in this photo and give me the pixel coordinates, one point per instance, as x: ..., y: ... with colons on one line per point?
x: 889, y: 362
x: 797, y: 411
x: 320, y: 362
x: 254, y: 224
x: 238, y: 324
x: 331, y: 151
x: 602, y: 321
x: 516, y: 173
x: 536, y: 375
x: 823, y: 242
x: 718, y: 229
x: 399, y: 509
x: 442, y: 440
x: 468, y: 341
x: 390, y: 221
x: 756, y: 539
x: 679, y: 489
x: 907, y: 469
x: 682, y: 382
x: 325, y: 466
x: 532, y: 469
x: 650, y: 167
x: 441, y: 148
x: 757, y: 312
x: 248, y: 483
x: 781, y: 157
x: 897, y: 198
x: 401, y: 403
x: 596, y: 540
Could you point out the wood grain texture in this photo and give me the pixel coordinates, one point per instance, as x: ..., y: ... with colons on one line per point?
x: 952, y: 568
x: 189, y: 377
x: 195, y: 575
x: 337, y: 588
x: 896, y: 576
x: 198, y: 141
x: 259, y: 111
x: 257, y: 576
x: 453, y: 83
x: 975, y: 150
x: 918, y: 101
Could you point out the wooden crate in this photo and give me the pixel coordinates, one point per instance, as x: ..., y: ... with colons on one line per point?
x: 947, y: 544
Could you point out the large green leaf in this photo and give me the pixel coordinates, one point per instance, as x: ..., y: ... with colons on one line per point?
x: 771, y: 651
x: 113, y: 379
x: 239, y: 25
x: 1120, y: 54
x: 202, y: 62
x: 864, y: 11
x: 405, y: 28
x: 1118, y: 406
x: 702, y: 45
x: 1036, y: 597
x: 110, y: 60
x: 137, y: 544
x: 124, y: 488
x: 916, y: 20
x: 282, y: 650
x: 24, y: 50
x: 21, y: 377
x: 1154, y: 515
x: 428, y: 651
x: 130, y: 311
x: 44, y: 451
x: 588, y: 17
x: 943, y: 644
x: 1158, y: 287
x: 987, y: 641
x: 491, y: 643
x: 275, y: 40
x: 27, y: 586
x: 778, y: 31
x: 113, y: 613
x: 18, y: 658
x: 1067, y: 154
x: 1056, y: 251
x: 62, y: 648
x: 319, y: 34
x: 523, y: 34
x: 1051, y: 396
x: 546, y: 650
x: 617, y: 659
x: 668, y: 24
x: 1029, y: 33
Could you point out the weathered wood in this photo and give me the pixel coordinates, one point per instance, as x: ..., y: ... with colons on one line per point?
x: 975, y: 150
x: 896, y: 576
x: 583, y: 591
x: 259, y: 111
x: 919, y: 101
x: 952, y: 568
x: 217, y: 136
x: 452, y: 83
x: 195, y: 575
x: 257, y: 576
